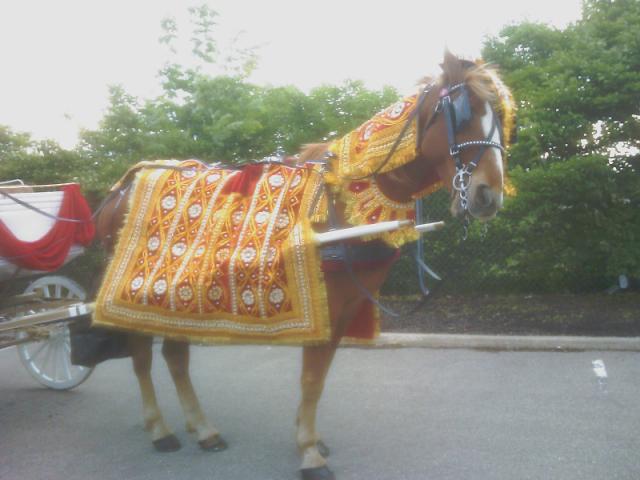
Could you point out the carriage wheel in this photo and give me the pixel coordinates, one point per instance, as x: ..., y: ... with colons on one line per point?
x: 49, y: 360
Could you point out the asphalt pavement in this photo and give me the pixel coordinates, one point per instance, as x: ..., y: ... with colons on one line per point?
x: 401, y: 413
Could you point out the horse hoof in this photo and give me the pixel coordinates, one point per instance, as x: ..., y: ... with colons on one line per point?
x: 170, y: 443
x: 213, y: 444
x: 323, y: 449
x: 318, y: 473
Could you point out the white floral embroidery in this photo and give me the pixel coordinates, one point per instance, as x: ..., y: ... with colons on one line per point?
x: 276, y: 296
x: 178, y: 249
x: 222, y: 254
x: 248, y: 254
x: 271, y: 254
x: 195, y: 210
x: 185, y: 293
x: 237, y: 217
x: 153, y: 244
x: 215, y: 293
x: 276, y: 180
x: 168, y: 202
x: 188, y: 173
x: 137, y: 283
x: 248, y: 298
x: 395, y: 110
x: 262, y: 217
x: 368, y: 131
x: 296, y: 180
x: 283, y: 220
x: 160, y: 287
x: 200, y: 251
x: 213, y: 177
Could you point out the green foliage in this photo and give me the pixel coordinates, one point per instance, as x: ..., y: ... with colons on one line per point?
x: 578, y: 90
x: 209, y: 55
x: 12, y: 143
x: 204, y: 45
x: 573, y: 226
x: 223, y: 119
x: 38, y: 161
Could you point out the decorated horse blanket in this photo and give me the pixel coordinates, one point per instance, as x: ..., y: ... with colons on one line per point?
x: 218, y: 255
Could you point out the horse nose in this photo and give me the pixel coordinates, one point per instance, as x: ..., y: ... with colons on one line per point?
x: 485, y: 202
x: 484, y: 196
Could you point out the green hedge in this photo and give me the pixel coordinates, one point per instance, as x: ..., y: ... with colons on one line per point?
x: 573, y: 226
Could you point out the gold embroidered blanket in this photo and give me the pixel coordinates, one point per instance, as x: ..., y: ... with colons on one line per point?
x: 362, y: 152
x: 218, y: 255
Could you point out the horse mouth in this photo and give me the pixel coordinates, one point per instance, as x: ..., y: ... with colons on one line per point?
x: 484, y: 217
x: 483, y: 210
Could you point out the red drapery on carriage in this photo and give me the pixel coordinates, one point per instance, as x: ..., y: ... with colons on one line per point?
x: 50, y: 251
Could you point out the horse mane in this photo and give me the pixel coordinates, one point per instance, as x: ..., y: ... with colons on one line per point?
x: 484, y: 82
x: 312, y: 151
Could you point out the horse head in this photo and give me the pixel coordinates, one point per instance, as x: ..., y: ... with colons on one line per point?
x: 463, y: 128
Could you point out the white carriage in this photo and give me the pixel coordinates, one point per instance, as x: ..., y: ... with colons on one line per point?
x: 36, y: 319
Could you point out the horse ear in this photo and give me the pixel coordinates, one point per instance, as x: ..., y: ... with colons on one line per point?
x: 451, y: 66
x: 450, y: 58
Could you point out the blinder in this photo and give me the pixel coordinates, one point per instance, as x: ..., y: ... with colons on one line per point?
x: 461, y: 107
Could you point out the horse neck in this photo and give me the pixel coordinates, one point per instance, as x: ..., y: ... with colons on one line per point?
x: 403, y: 183
x: 110, y: 219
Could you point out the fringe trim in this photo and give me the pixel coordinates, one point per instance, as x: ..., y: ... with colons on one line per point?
x: 366, y: 204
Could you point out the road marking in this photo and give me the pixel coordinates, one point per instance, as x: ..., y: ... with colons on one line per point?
x: 599, y: 368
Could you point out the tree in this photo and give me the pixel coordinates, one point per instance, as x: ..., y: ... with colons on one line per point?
x: 578, y: 89
x: 38, y: 161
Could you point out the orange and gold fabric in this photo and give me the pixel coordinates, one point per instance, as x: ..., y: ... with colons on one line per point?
x: 216, y: 255
x: 362, y: 153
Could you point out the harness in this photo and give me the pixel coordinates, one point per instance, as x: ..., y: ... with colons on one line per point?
x: 457, y: 113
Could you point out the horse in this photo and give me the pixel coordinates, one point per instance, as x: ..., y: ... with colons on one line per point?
x: 462, y: 120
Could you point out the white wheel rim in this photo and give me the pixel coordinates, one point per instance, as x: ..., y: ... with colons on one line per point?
x: 49, y: 361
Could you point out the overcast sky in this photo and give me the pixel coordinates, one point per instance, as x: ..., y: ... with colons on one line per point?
x: 58, y: 56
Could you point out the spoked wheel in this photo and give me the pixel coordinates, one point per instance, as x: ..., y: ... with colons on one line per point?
x: 49, y: 360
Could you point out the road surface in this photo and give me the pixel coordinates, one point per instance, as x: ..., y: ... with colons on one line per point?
x: 413, y: 413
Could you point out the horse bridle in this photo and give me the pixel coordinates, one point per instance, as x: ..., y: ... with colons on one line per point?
x: 457, y: 113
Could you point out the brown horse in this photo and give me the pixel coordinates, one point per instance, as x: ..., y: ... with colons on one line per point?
x: 459, y: 142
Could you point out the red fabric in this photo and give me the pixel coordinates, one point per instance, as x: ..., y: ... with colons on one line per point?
x: 49, y: 252
x: 245, y: 181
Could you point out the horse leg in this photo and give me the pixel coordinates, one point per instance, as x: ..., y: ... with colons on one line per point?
x: 176, y: 355
x: 345, y: 300
x: 315, y: 366
x: 316, y: 362
x: 163, y: 439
